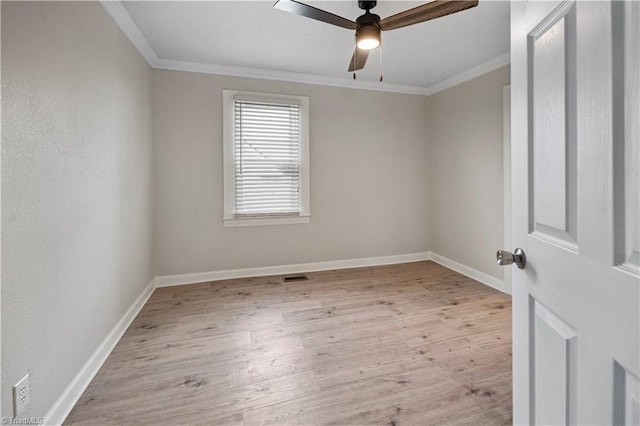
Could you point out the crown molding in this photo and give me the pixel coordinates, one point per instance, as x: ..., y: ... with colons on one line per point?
x: 290, y: 77
x: 116, y: 10
x: 122, y: 18
x: 470, y: 74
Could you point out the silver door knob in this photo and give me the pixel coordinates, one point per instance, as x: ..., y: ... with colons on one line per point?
x: 505, y: 258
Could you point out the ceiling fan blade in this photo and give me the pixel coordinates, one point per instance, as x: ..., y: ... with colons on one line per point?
x: 426, y: 12
x: 302, y: 9
x: 358, y: 60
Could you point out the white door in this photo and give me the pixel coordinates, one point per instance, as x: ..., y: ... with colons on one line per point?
x: 575, y: 166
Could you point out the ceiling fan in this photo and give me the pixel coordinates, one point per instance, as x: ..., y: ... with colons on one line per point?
x: 369, y: 25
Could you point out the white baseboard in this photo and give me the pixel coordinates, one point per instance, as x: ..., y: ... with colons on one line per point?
x: 200, y: 277
x: 171, y: 280
x: 481, y: 277
x: 70, y: 396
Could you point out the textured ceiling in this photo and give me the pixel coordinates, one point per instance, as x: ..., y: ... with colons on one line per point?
x: 253, y: 34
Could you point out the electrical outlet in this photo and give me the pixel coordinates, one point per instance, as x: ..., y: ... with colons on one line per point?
x: 21, y: 396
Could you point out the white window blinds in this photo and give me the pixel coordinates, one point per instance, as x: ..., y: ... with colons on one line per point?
x: 266, y: 158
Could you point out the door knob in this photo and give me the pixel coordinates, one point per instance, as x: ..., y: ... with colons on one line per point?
x: 505, y: 258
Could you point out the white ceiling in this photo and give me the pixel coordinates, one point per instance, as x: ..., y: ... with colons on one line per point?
x: 253, y: 35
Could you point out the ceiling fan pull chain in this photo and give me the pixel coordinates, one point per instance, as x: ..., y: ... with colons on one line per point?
x: 354, y: 75
x: 381, y: 72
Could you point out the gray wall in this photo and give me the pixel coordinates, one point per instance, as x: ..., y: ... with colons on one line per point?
x: 76, y: 190
x: 467, y: 173
x: 369, y: 178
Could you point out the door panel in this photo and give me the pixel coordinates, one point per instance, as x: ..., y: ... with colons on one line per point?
x: 627, y: 409
x: 551, y: 91
x: 595, y: 133
x: 575, y: 160
x: 555, y: 368
x: 628, y: 34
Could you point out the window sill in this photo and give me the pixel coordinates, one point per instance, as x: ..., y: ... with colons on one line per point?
x: 265, y: 221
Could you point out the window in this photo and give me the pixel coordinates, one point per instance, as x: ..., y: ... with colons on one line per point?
x: 266, y: 159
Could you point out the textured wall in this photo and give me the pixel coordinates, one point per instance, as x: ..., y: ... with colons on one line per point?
x: 76, y: 189
x: 467, y: 174
x: 369, y: 178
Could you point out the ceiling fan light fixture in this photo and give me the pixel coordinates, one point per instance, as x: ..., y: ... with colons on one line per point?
x: 368, y: 37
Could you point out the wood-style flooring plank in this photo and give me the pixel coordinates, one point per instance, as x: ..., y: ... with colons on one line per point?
x: 393, y: 345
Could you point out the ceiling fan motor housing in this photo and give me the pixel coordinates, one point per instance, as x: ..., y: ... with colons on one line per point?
x: 367, y: 19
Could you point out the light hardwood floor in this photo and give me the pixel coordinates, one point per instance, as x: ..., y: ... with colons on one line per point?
x: 410, y: 344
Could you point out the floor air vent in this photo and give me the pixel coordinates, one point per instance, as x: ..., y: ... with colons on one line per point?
x: 291, y: 278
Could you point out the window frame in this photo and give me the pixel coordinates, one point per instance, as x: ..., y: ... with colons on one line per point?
x: 228, y: 148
